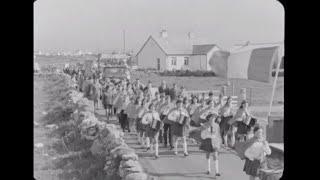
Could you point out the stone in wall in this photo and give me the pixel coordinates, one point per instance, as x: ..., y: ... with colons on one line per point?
x: 136, y: 176
x: 130, y: 156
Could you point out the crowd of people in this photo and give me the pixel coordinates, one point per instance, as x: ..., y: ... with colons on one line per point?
x: 166, y: 116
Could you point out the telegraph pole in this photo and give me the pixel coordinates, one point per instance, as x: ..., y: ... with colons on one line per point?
x: 124, y: 41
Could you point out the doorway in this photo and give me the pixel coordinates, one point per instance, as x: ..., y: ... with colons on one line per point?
x: 158, y: 64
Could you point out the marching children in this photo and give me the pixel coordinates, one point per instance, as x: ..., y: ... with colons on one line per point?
x: 211, y: 141
x: 167, y: 124
x: 195, y: 119
x: 141, y: 128
x: 152, y: 120
x: 236, y: 122
x: 225, y: 116
x: 255, y: 152
x: 180, y: 126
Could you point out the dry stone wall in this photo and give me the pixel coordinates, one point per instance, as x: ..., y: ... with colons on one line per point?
x: 108, y: 142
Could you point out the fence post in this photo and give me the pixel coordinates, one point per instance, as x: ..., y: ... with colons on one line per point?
x: 250, y: 96
x: 224, y: 90
x: 232, y: 89
x: 243, y: 93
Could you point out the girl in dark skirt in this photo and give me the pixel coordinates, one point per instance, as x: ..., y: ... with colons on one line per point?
x: 123, y: 121
x: 225, y: 116
x: 195, y: 119
x: 141, y: 128
x: 255, y: 153
x: 152, y: 119
x: 180, y: 126
x: 211, y: 141
x: 241, y: 125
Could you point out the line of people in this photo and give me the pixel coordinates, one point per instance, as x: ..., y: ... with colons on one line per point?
x: 167, y: 116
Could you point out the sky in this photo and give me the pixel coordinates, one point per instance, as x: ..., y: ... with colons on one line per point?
x: 97, y: 25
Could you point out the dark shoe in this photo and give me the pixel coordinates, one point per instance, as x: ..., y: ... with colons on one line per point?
x: 156, y: 157
x: 148, y: 149
x: 208, y: 172
x: 185, y: 154
x: 218, y: 174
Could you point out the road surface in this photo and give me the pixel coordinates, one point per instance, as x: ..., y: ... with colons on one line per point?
x: 193, y: 167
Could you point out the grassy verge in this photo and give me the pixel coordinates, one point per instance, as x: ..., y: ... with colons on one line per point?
x: 72, y: 156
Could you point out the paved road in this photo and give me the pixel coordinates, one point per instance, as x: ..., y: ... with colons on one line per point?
x: 194, y: 166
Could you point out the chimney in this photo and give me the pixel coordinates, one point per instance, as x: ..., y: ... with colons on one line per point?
x: 163, y: 33
x: 190, y: 35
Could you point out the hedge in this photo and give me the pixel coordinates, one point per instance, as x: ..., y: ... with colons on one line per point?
x: 197, y: 73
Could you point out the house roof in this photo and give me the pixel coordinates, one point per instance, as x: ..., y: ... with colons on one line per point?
x: 174, y: 46
x: 171, y: 46
x: 202, y: 49
x: 242, y: 48
x: 114, y: 56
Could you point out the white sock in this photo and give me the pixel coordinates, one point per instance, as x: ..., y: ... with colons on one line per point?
x: 139, y: 138
x: 209, y: 167
x: 148, y: 142
x: 176, y: 147
x: 185, y: 145
x: 157, y: 149
x: 216, y: 165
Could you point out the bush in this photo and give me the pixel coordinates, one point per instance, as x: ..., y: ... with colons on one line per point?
x: 187, y: 73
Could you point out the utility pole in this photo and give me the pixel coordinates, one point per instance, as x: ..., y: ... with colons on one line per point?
x: 124, y: 41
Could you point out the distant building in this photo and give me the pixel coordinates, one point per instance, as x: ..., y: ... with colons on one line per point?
x: 254, y: 61
x: 164, y: 54
x: 251, y: 46
x: 116, y: 58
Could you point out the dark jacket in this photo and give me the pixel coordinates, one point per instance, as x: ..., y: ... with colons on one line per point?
x: 173, y: 93
x: 165, y: 90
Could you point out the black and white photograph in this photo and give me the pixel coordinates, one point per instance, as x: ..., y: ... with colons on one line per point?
x: 158, y: 89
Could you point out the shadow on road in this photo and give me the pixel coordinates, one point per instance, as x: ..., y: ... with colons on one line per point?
x: 197, y: 175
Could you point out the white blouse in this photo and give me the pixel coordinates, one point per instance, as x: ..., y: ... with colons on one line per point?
x: 149, y: 117
x: 258, y: 151
x: 175, y: 114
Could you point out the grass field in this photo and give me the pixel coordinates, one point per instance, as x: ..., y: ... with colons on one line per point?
x: 261, y: 92
x: 258, y: 93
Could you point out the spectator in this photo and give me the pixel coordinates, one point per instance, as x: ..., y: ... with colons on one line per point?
x: 174, y: 92
x: 211, y: 98
x: 163, y: 88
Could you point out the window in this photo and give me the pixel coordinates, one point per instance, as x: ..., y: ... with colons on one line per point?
x: 186, y: 60
x: 174, y: 61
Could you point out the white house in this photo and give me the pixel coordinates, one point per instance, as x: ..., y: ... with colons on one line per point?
x: 165, y: 54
